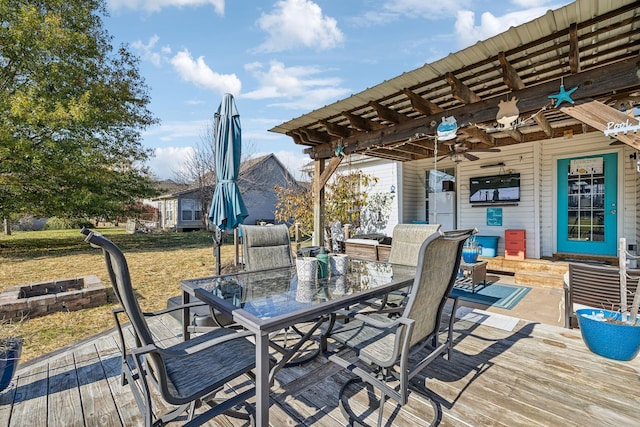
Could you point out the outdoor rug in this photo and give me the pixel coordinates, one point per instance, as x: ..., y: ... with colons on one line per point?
x: 481, y: 317
x: 493, y: 294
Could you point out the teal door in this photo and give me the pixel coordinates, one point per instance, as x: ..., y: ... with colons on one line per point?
x: 588, y: 205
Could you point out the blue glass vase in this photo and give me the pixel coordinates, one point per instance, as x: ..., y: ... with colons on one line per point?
x: 470, y: 254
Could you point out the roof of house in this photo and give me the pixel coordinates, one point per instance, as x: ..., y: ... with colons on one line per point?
x: 591, y: 45
x: 246, y: 168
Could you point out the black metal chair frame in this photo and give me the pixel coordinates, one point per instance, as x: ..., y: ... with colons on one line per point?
x: 385, y: 345
x: 148, y: 365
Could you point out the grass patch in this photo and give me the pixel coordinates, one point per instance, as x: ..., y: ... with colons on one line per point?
x: 157, y: 263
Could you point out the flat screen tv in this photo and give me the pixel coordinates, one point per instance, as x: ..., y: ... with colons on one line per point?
x: 495, y: 189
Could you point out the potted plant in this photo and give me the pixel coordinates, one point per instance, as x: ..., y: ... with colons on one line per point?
x: 10, y: 350
x: 611, y: 334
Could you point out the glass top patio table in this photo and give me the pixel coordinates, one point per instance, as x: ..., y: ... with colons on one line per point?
x: 269, y: 300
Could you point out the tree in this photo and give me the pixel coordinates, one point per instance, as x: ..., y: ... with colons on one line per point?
x: 71, y: 112
x: 345, y: 197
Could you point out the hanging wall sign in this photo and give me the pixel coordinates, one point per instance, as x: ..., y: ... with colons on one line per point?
x: 494, y: 217
x: 614, y: 128
x: 507, y: 112
x: 587, y: 166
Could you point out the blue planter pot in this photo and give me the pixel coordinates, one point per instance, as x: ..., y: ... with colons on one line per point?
x: 610, y: 340
x: 470, y: 255
x: 9, y: 363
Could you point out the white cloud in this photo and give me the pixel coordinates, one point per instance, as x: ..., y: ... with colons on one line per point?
x: 300, y: 85
x: 169, y: 161
x: 148, y: 53
x: 298, y: 23
x: 397, y: 9
x: 157, y: 5
x: 530, y: 3
x: 468, y: 32
x: 196, y: 71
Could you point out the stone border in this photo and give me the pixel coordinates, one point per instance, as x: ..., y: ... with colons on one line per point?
x: 93, y: 293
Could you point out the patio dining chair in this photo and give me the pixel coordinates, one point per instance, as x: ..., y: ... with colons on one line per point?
x: 266, y: 247
x: 184, y: 374
x: 405, y: 249
x: 395, y: 350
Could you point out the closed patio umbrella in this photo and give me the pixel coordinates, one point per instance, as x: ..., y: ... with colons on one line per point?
x: 227, y: 208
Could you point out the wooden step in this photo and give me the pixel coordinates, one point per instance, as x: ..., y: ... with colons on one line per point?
x: 539, y: 279
x: 531, y: 272
x: 499, y: 264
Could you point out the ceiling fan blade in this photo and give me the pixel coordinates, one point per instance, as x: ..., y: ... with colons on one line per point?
x: 470, y: 156
x: 444, y: 157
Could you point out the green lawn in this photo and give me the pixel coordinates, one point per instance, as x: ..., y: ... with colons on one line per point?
x: 157, y: 262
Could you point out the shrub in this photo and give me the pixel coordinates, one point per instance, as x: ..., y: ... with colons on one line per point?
x: 57, y: 223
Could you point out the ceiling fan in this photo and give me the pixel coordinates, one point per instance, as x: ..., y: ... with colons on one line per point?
x: 460, y: 151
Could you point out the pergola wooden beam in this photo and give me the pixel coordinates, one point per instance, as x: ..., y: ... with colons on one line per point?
x: 313, y: 135
x: 574, y: 51
x: 601, y: 81
x: 296, y: 138
x: 386, y: 113
x: 336, y: 130
x: 544, y: 124
x: 509, y: 74
x: 361, y: 123
x: 460, y: 91
x: 477, y: 133
x: 422, y: 105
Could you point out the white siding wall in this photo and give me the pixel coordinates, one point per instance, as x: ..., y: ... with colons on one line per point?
x: 386, y: 172
x: 517, y: 158
x: 413, y: 191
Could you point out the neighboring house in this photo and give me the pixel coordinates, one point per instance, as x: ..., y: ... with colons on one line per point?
x: 183, y: 210
x: 257, y: 181
x: 550, y: 164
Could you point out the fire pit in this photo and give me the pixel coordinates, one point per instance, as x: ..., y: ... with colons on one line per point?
x: 39, y: 299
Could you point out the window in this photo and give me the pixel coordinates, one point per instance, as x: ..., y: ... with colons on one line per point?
x: 169, y: 207
x: 191, y: 210
x: 187, y: 209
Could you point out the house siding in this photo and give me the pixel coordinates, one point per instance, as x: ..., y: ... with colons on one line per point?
x: 536, y: 212
x: 387, y: 175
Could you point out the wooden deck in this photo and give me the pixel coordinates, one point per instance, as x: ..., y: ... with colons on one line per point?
x: 538, y: 375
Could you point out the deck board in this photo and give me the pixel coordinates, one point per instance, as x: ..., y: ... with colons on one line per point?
x: 538, y: 375
x: 63, y: 392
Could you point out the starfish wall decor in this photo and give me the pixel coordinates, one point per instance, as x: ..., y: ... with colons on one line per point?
x: 563, y: 95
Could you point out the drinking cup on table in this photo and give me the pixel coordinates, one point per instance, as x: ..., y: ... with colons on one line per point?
x: 307, y: 269
x: 338, y: 264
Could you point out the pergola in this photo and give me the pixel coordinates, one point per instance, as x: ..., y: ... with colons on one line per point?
x: 592, y: 46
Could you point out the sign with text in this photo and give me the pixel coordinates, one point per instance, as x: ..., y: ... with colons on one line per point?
x: 494, y: 217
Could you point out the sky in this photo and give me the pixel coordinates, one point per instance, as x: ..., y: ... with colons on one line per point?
x: 281, y: 59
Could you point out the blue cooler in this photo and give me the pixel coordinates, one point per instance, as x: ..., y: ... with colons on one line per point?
x: 488, y: 244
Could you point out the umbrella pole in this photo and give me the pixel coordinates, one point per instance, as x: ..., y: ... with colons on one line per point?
x: 217, y: 241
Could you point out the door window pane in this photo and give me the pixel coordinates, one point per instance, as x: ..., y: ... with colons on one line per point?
x: 586, y: 205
